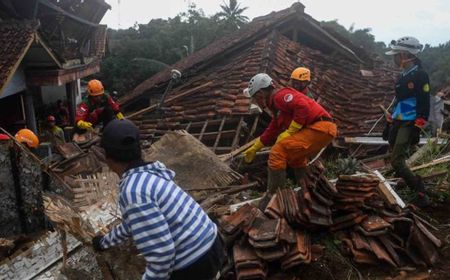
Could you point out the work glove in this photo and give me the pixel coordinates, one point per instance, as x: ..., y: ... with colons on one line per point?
x: 84, y: 125
x: 96, y: 243
x: 250, y: 153
x: 420, y: 122
x: 119, y: 116
x: 293, y: 128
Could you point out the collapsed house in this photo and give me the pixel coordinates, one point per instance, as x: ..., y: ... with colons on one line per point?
x: 47, y: 47
x: 209, y: 103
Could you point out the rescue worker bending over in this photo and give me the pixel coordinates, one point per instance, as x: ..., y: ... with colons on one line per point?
x: 97, y: 107
x: 299, y: 129
x: 300, y: 80
x: 411, y: 110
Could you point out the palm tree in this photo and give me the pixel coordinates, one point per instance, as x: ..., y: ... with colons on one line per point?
x: 232, y: 14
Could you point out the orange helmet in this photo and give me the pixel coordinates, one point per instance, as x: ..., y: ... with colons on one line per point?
x: 301, y: 74
x: 28, y: 137
x: 95, y: 88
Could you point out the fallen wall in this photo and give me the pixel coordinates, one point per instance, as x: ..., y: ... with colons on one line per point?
x: 21, y: 185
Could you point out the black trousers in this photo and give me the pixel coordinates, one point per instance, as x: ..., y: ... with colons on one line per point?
x: 205, y: 268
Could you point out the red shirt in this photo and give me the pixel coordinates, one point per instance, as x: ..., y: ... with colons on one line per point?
x: 289, y: 104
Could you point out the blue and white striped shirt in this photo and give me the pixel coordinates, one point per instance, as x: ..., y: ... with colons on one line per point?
x: 167, y: 226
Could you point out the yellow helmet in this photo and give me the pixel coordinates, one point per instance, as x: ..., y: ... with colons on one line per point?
x: 301, y: 74
x: 95, y: 88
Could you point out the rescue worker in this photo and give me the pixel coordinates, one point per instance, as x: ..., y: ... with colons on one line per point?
x: 56, y: 134
x: 410, y: 111
x: 176, y: 237
x: 28, y: 138
x: 300, y: 128
x: 300, y: 80
x: 97, y: 107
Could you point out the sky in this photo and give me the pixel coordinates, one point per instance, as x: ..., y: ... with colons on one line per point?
x: 427, y: 20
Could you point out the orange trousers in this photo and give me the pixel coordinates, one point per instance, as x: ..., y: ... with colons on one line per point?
x: 295, y: 150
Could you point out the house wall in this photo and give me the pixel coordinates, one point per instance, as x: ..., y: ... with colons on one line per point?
x: 50, y: 94
x: 16, y: 84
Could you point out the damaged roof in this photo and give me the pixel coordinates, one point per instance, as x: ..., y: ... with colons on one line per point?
x: 257, y: 29
x: 220, y: 72
x: 15, y: 38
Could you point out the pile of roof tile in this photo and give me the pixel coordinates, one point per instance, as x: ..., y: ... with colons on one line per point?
x: 264, y: 240
x: 352, y: 209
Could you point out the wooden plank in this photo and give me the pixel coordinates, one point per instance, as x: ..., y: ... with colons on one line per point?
x: 379, y: 140
x: 238, y: 133
x: 253, y: 129
x: 168, y: 100
x: 219, y: 134
x: 200, y: 136
x: 188, y: 127
x: 237, y: 151
x: 387, y: 192
x: 441, y: 160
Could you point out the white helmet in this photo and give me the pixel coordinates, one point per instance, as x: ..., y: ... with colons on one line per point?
x: 405, y: 44
x: 259, y: 81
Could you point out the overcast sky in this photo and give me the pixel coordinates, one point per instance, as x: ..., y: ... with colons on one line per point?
x: 428, y: 20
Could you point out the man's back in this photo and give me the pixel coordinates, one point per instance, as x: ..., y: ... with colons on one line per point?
x: 168, y: 227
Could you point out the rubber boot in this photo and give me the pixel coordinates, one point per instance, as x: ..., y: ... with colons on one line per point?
x: 276, y: 179
x: 301, y: 176
x: 422, y: 199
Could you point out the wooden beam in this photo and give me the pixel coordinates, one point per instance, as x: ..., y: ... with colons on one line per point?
x: 169, y: 100
x: 237, y: 151
x: 387, y: 192
x: 219, y: 134
x: 188, y: 127
x: 441, y: 160
x: 200, y: 136
x: 238, y: 133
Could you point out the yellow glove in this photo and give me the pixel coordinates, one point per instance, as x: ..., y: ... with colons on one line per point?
x: 119, y: 116
x: 293, y: 128
x: 250, y: 153
x: 84, y: 125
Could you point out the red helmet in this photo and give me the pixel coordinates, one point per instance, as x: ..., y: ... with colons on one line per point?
x: 51, y: 118
x: 4, y: 136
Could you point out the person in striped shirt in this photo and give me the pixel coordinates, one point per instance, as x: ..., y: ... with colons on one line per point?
x: 172, y: 232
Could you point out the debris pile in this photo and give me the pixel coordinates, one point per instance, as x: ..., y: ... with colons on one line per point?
x: 371, y: 231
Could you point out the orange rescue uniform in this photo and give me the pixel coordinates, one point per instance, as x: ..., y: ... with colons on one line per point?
x: 318, y: 129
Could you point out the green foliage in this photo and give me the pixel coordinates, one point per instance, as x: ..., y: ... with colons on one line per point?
x: 341, y: 166
x: 361, y: 38
x: 140, y: 52
x: 436, y: 61
x: 232, y: 14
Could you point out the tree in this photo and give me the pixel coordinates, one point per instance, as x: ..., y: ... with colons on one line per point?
x: 232, y: 14
x: 139, y: 52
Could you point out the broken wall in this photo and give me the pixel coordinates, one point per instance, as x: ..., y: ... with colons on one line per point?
x: 9, y: 215
x: 21, y: 185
